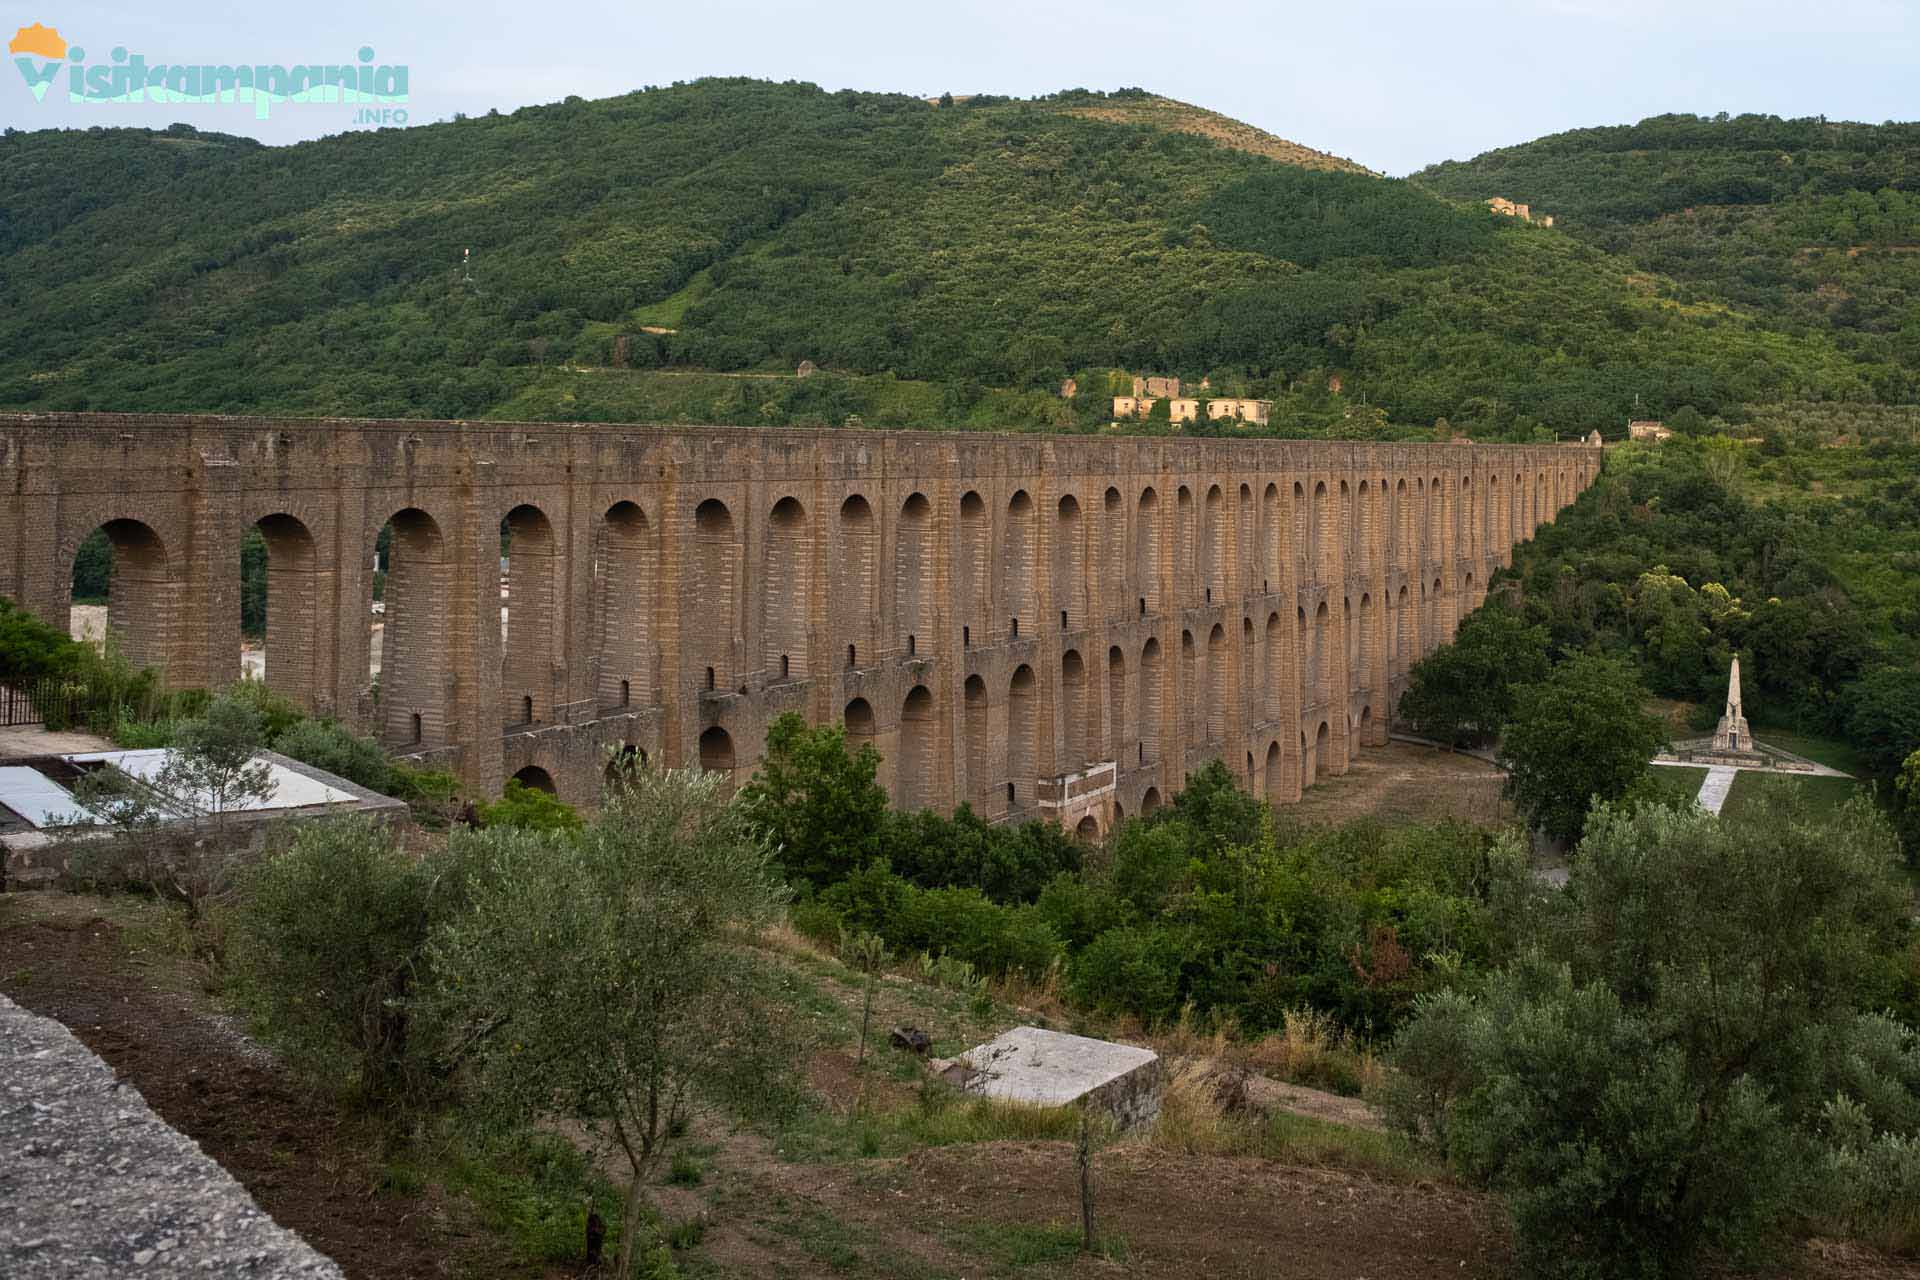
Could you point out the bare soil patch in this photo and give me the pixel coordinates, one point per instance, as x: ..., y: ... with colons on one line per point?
x: 1402, y: 782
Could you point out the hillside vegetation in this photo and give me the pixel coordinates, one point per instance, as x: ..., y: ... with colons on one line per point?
x: 970, y: 252
x: 1810, y: 225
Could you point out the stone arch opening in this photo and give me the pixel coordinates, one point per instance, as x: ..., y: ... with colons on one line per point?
x: 1436, y: 515
x: 1149, y: 701
x: 713, y: 574
x: 1016, y: 565
x: 1193, y: 713
x: 1150, y: 801
x: 1274, y: 780
x: 1089, y: 828
x: 1363, y: 643
x: 528, y: 615
x: 1321, y: 668
x: 1147, y: 549
x: 787, y: 596
x: 1302, y: 534
x: 1218, y: 698
x: 1119, y: 729
x: 534, y: 778
x: 409, y: 658
x: 1113, y: 552
x: 1023, y: 726
x: 1189, y: 575
x: 856, y: 578
x: 716, y: 752
x: 1073, y: 711
x: 280, y: 605
x: 122, y: 589
x: 1272, y: 540
x: 915, y: 607
x: 977, y: 728
x: 623, y: 564
x: 1246, y: 528
x: 1276, y: 667
x: 1325, y: 544
x: 975, y: 575
x: 1363, y: 533
x: 1069, y: 566
x: 1322, y: 750
x: 1213, y: 548
x: 913, y: 780
x: 858, y: 719
x: 1402, y: 642
x: 1402, y: 521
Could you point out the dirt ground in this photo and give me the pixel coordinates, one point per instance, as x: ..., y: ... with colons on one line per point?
x: 1401, y: 782
x: 967, y: 1210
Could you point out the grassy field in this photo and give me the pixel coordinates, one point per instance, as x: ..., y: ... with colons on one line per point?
x: 1679, y: 782
x: 1823, y: 795
x: 1827, y: 751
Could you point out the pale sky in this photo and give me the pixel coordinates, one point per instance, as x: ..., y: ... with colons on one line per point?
x: 1394, y: 84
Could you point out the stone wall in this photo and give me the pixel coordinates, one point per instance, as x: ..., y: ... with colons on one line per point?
x: 1000, y: 615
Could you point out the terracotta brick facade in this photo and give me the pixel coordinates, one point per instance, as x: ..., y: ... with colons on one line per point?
x: 1062, y: 626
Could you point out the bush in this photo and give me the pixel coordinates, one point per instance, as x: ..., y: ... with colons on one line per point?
x: 1132, y: 970
x: 326, y: 744
x: 530, y: 809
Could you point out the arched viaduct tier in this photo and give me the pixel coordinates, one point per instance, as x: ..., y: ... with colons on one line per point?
x: 1054, y: 626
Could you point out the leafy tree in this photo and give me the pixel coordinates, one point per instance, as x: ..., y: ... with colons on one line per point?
x: 608, y: 977
x: 818, y: 805
x: 1884, y: 724
x: 328, y: 745
x: 1577, y: 737
x: 1462, y: 692
x: 1659, y: 1076
x: 530, y: 809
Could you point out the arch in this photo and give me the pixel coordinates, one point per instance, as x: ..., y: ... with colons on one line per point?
x: 713, y: 573
x: 788, y: 588
x: 1363, y: 531
x: 1218, y: 698
x: 141, y: 594
x: 534, y: 778
x: 623, y: 574
x: 1402, y: 520
x: 915, y: 607
x: 1073, y: 712
x: 913, y: 779
x: 1069, y: 566
x: 975, y: 570
x: 1149, y: 702
x: 856, y: 564
x: 716, y: 752
x: 1213, y: 547
x: 1302, y: 534
x: 1274, y: 781
x: 1147, y: 552
x: 1186, y: 567
x: 1436, y: 514
x: 1363, y: 651
x: 410, y: 659
x: 1349, y: 532
x: 1023, y: 724
x: 1324, y: 545
x: 1247, y: 541
x: 1322, y: 750
x: 529, y: 617
x: 1089, y: 828
x: 857, y: 716
x: 1113, y: 552
x: 1276, y: 667
x: 1016, y: 563
x: 1150, y: 801
x: 1120, y: 731
x: 1322, y: 674
x: 1490, y: 516
x: 1192, y: 712
x: 1464, y: 524
x: 1273, y: 541
x: 292, y: 627
x: 976, y: 728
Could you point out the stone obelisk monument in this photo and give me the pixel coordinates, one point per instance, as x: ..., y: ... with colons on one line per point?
x: 1733, y: 736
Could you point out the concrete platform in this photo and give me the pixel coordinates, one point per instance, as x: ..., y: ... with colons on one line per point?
x: 1054, y: 1069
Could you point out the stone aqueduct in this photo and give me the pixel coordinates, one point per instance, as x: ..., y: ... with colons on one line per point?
x: 1050, y: 626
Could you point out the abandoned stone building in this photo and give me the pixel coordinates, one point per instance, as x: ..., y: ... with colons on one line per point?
x: 1051, y: 626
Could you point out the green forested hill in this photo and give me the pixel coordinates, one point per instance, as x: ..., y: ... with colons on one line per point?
x: 1811, y: 225
x: 963, y: 257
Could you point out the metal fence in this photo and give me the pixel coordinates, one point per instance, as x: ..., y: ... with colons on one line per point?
x: 40, y: 702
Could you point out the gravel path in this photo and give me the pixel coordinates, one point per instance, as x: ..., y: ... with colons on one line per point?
x: 93, y: 1183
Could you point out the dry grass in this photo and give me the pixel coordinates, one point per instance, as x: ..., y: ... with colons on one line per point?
x: 1310, y: 1049
x: 1404, y: 782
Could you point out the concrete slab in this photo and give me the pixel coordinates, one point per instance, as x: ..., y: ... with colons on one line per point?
x: 1054, y: 1069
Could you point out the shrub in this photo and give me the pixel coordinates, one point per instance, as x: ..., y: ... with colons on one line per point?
x: 530, y: 809
x: 1132, y: 970
x: 326, y: 744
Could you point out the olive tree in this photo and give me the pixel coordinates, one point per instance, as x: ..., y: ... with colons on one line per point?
x: 610, y: 975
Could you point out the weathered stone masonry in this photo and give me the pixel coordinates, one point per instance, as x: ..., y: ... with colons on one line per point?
x: 1061, y: 626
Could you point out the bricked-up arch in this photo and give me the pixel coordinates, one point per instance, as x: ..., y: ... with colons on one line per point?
x: 976, y: 730
x: 1114, y: 586
x: 296, y: 586
x: 915, y: 606
x: 624, y: 552
x: 1074, y: 708
x: 1069, y: 565
x: 975, y: 571
x: 1023, y: 732
x: 535, y: 778
x: 1213, y: 548
x: 855, y: 575
x: 415, y: 649
x: 1120, y: 728
x: 1149, y: 702
x: 530, y: 617
x: 1147, y: 547
x: 1273, y: 541
x: 1017, y: 564
x: 914, y: 787
x: 141, y: 593
x: 1219, y: 696
x: 787, y: 582
x: 709, y: 608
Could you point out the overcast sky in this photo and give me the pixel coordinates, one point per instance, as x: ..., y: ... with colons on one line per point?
x: 1394, y: 84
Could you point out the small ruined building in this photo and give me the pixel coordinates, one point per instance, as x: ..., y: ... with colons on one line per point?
x: 1649, y: 429
x: 1187, y: 408
x: 1502, y: 205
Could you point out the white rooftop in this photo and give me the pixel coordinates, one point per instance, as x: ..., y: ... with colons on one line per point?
x: 41, y: 801
x: 1050, y: 1068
